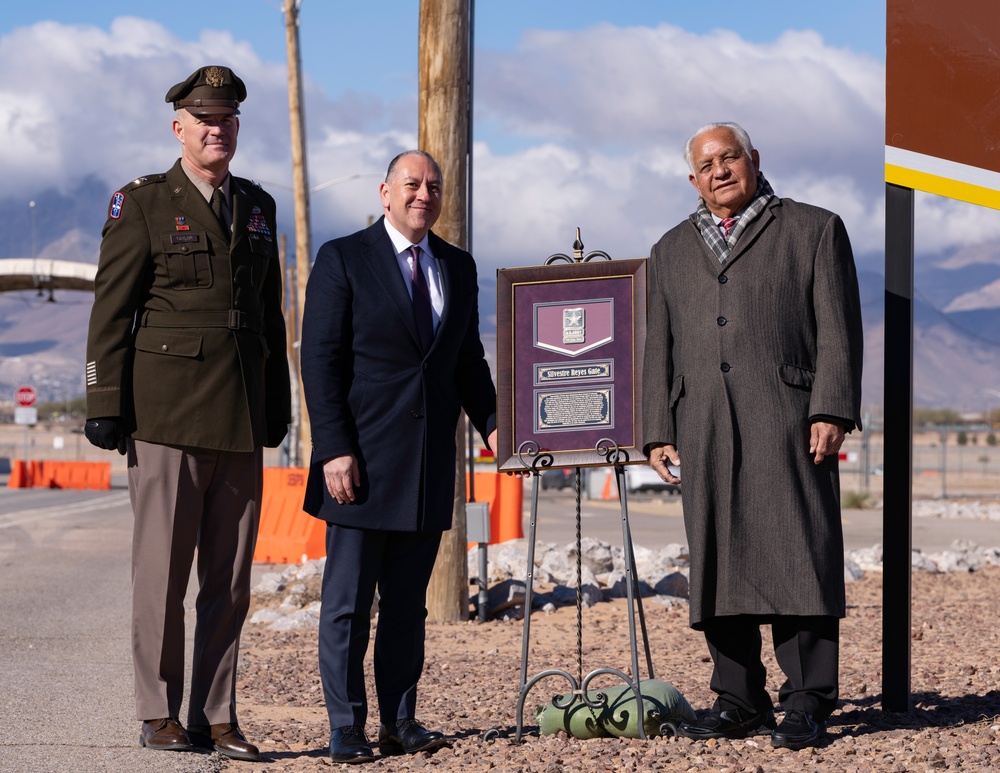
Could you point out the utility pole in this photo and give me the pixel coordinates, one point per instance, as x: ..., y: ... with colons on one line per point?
x: 291, y: 326
x: 300, y: 186
x: 444, y: 120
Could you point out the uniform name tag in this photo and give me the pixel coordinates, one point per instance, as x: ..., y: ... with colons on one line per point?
x: 184, y: 238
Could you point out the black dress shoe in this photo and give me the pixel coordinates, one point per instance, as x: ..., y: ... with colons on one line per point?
x: 350, y: 744
x: 731, y: 723
x: 407, y: 736
x: 164, y: 735
x: 226, y: 738
x: 797, y: 731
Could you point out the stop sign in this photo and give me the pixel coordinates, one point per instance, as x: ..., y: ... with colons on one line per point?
x: 25, y: 396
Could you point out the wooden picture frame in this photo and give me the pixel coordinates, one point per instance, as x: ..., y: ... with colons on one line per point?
x: 570, y: 340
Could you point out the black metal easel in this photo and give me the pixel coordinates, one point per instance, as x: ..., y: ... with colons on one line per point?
x: 615, y: 456
x: 531, y: 457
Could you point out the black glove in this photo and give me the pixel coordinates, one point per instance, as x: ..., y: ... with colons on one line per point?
x: 276, y: 431
x: 106, y: 433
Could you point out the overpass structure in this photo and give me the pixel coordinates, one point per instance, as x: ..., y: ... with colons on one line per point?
x: 44, y: 274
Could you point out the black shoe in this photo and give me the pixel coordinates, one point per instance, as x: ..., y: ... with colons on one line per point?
x: 350, y: 744
x: 797, y: 731
x: 732, y: 723
x: 407, y: 736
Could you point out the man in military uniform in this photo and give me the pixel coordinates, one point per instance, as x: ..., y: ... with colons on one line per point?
x: 187, y: 374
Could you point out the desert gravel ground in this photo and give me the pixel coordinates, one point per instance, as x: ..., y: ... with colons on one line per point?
x: 470, y: 686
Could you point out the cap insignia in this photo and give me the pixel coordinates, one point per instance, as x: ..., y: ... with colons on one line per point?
x: 214, y: 76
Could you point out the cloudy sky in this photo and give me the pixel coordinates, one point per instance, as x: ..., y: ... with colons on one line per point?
x: 581, y: 108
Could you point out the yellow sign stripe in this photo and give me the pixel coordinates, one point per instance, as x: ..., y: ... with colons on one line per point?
x: 942, y: 186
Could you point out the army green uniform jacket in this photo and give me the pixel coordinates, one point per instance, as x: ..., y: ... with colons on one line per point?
x: 187, y: 338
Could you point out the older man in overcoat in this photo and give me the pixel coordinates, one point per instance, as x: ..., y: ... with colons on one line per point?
x: 390, y: 356
x: 752, y: 377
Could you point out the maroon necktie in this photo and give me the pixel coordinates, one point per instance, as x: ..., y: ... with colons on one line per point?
x: 726, y: 224
x: 421, y: 301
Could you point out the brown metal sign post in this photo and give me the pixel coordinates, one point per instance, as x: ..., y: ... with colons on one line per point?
x: 941, y: 123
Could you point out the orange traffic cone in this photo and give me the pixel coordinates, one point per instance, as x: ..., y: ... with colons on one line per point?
x: 606, y: 493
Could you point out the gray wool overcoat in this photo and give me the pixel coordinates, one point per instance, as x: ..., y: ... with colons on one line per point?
x: 738, y: 358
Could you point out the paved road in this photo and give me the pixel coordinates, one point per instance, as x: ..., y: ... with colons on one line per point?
x: 65, y: 661
x: 66, y: 701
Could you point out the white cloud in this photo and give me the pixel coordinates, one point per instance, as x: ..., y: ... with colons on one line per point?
x: 580, y: 128
x: 92, y: 101
x: 623, y: 87
x: 944, y: 225
x: 987, y: 297
x: 984, y: 252
x: 624, y: 100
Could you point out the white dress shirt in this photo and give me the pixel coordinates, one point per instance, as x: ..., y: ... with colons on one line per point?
x: 428, y: 265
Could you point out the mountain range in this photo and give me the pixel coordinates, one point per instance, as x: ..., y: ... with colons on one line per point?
x: 956, y: 310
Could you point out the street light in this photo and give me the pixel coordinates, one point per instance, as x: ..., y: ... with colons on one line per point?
x: 31, y: 205
x: 34, y: 259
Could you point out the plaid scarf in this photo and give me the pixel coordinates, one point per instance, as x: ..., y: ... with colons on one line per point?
x: 710, y: 231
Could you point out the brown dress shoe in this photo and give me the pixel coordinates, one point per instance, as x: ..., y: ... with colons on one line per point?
x: 225, y: 738
x: 165, y: 735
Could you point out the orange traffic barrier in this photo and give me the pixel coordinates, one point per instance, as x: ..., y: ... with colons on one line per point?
x: 45, y: 477
x: 72, y: 475
x: 40, y: 473
x: 287, y: 534
x: 20, y: 475
x: 96, y: 476
x: 505, y: 495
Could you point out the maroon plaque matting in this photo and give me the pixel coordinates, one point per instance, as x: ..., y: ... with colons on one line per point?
x: 570, y: 341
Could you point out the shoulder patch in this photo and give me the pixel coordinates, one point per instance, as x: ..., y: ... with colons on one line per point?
x: 115, y: 211
x: 118, y: 199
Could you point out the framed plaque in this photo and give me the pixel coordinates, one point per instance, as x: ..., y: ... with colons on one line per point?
x: 570, y: 341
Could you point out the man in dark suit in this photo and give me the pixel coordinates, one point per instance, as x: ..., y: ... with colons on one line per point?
x: 390, y: 355
x: 186, y: 371
x: 752, y: 375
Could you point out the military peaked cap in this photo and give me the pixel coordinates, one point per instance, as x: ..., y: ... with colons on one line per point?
x: 209, y: 91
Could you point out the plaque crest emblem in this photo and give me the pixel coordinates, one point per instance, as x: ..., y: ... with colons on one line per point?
x: 574, y: 327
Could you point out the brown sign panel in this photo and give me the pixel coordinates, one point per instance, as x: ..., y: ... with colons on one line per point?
x: 570, y: 343
x: 942, y: 120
